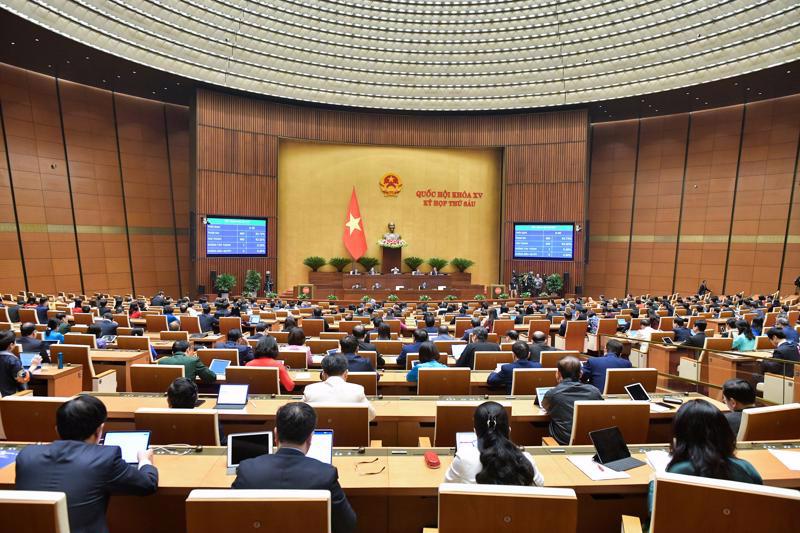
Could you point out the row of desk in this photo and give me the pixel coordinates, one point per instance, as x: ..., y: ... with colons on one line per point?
x: 392, y: 491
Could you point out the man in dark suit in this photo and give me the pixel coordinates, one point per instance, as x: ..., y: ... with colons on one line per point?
x: 89, y: 474
x: 785, y: 350
x: 477, y: 343
x: 476, y: 322
x: 682, y: 333
x: 290, y: 469
x: 539, y: 345
x: 594, y: 369
x: 159, y: 299
x: 107, y: 325
x: 420, y: 336
x: 360, y: 333
x: 698, y: 338
x: 430, y: 325
x: 207, y: 321
x: 505, y: 377
x: 355, y: 363
x: 29, y: 343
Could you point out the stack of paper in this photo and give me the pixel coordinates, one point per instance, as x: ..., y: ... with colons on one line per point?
x: 595, y: 471
x: 789, y: 458
x: 658, y: 459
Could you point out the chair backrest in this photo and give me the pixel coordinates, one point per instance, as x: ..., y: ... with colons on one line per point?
x: 394, y: 325
x: 575, y: 334
x: 121, y: 319
x: 535, y: 325
x: 197, y: 427
x: 388, y: 347
x: 28, y: 315
x: 313, y: 327
x: 480, y: 508
x: 462, y: 325
x: 349, y: 422
x: 443, y: 381
x: 174, y: 335
x: 763, y: 343
x: 227, y: 323
x: 371, y: 356
x: 156, y: 322
x: 281, y: 336
x: 131, y: 342
x: 618, y: 378
x: 550, y: 359
x: 666, y: 323
x: 368, y: 380
x: 347, y: 326
x: 632, y: 419
x: 320, y: 346
x: 776, y: 422
x: 154, y: 378
x: 293, y: 359
x: 456, y: 416
x: 659, y: 336
x: 84, y: 339
x: 87, y: 319
x: 333, y: 335
x: 525, y: 381
x: 34, y: 511
x: 30, y: 418
x: 190, y: 324
x: 721, y: 505
x: 209, y: 354
x: 606, y: 326
x: 713, y: 343
x: 446, y: 347
x: 262, y: 379
x: 287, y: 511
x: 502, y: 325
x: 490, y: 360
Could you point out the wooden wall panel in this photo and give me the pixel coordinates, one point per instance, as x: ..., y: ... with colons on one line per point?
x: 739, y: 224
x: 41, y: 114
x: 178, y: 127
x: 237, y: 147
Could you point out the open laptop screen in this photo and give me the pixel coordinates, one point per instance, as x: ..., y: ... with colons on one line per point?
x: 243, y: 446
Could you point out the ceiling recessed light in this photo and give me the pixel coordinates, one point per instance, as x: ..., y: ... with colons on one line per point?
x: 87, y: 58
x: 13, y: 43
x: 36, y: 39
x: 134, y: 71
x: 118, y: 76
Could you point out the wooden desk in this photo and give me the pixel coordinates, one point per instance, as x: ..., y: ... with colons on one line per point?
x: 121, y: 361
x: 724, y: 366
x: 52, y: 381
x: 402, y: 497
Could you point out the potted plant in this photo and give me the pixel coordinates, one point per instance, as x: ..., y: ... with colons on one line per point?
x: 303, y: 296
x: 225, y: 282
x: 554, y: 283
x: 438, y: 263
x: 451, y: 297
x: 332, y: 297
x: 392, y: 298
x: 368, y: 262
x: 424, y: 298
x: 252, y: 282
x: 271, y: 295
x: 339, y: 263
x: 503, y: 295
x: 479, y: 297
x: 461, y: 264
x: 525, y: 295
x: 413, y: 262
x: 365, y: 299
x: 314, y: 262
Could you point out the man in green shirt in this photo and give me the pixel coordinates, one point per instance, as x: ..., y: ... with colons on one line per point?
x: 183, y: 354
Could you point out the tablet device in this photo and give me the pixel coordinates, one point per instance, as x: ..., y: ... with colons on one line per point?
x: 540, y: 392
x: 332, y: 351
x: 218, y: 367
x: 667, y: 341
x: 255, y: 320
x: 129, y: 442
x: 466, y: 439
x: 321, y: 446
x: 26, y: 358
x: 243, y: 446
x: 612, y: 451
x: 636, y: 392
x: 621, y: 321
x: 109, y: 338
x: 232, y: 397
x: 457, y: 349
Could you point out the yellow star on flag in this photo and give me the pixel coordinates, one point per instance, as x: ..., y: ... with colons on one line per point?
x: 353, y: 223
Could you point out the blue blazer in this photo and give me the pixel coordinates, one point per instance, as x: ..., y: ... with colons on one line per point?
x: 594, y: 369
x: 356, y: 363
x: 506, y: 374
x: 407, y: 349
x: 289, y: 469
x: 89, y: 474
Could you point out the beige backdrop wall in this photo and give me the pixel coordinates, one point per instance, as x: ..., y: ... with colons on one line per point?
x: 315, y: 181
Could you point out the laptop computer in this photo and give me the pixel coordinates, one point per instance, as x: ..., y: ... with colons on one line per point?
x: 129, y: 442
x: 218, y: 367
x: 457, y: 349
x: 255, y: 319
x: 612, y: 452
x: 243, y: 446
x: 540, y: 392
x: 321, y: 446
x: 232, y: 397
x: 27, y: 358
x: 622, y: 321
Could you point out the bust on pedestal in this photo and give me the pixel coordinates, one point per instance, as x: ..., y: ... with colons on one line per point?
x: 392, y: 244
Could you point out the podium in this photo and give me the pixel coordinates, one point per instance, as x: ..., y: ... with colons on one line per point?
x: 392, y: 257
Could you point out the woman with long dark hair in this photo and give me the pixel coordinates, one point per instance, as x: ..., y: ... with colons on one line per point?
x: 494, y: 460
x: 745, y: 341
x: 704, y: 445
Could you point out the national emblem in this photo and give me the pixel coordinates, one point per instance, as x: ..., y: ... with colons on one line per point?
x: 391, y: 185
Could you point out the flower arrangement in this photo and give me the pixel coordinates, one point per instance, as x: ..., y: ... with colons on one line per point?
x: 424, y: 298
x: 479, y: 297
x: 392, y: 298
x: 392, y: 243
x: 451, y: 297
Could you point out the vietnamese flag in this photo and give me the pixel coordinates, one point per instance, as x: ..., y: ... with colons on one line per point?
x: 354, y: 239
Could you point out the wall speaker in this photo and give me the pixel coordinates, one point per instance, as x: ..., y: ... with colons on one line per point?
x: 566, y: 282
x: 213, y: 278
x: 201, y: 289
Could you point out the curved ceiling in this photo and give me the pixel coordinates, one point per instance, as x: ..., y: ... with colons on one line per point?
x: 436, y: 55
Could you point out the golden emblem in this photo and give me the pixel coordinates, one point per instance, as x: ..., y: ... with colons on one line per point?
x: 391, y: 185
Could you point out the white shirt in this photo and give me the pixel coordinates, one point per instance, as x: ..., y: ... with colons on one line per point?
x: 336, y: 390
x: 467, y: 465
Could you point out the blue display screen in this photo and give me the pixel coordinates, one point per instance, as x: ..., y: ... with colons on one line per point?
x: 544, y: 241
x: 236, y: 236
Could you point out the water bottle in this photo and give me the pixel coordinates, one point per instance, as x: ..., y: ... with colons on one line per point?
x: 60, y: 360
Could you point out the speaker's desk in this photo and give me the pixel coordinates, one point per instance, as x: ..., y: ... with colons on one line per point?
x: 392, y: 490
x: 49, y: 380
x: 399, y: 421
